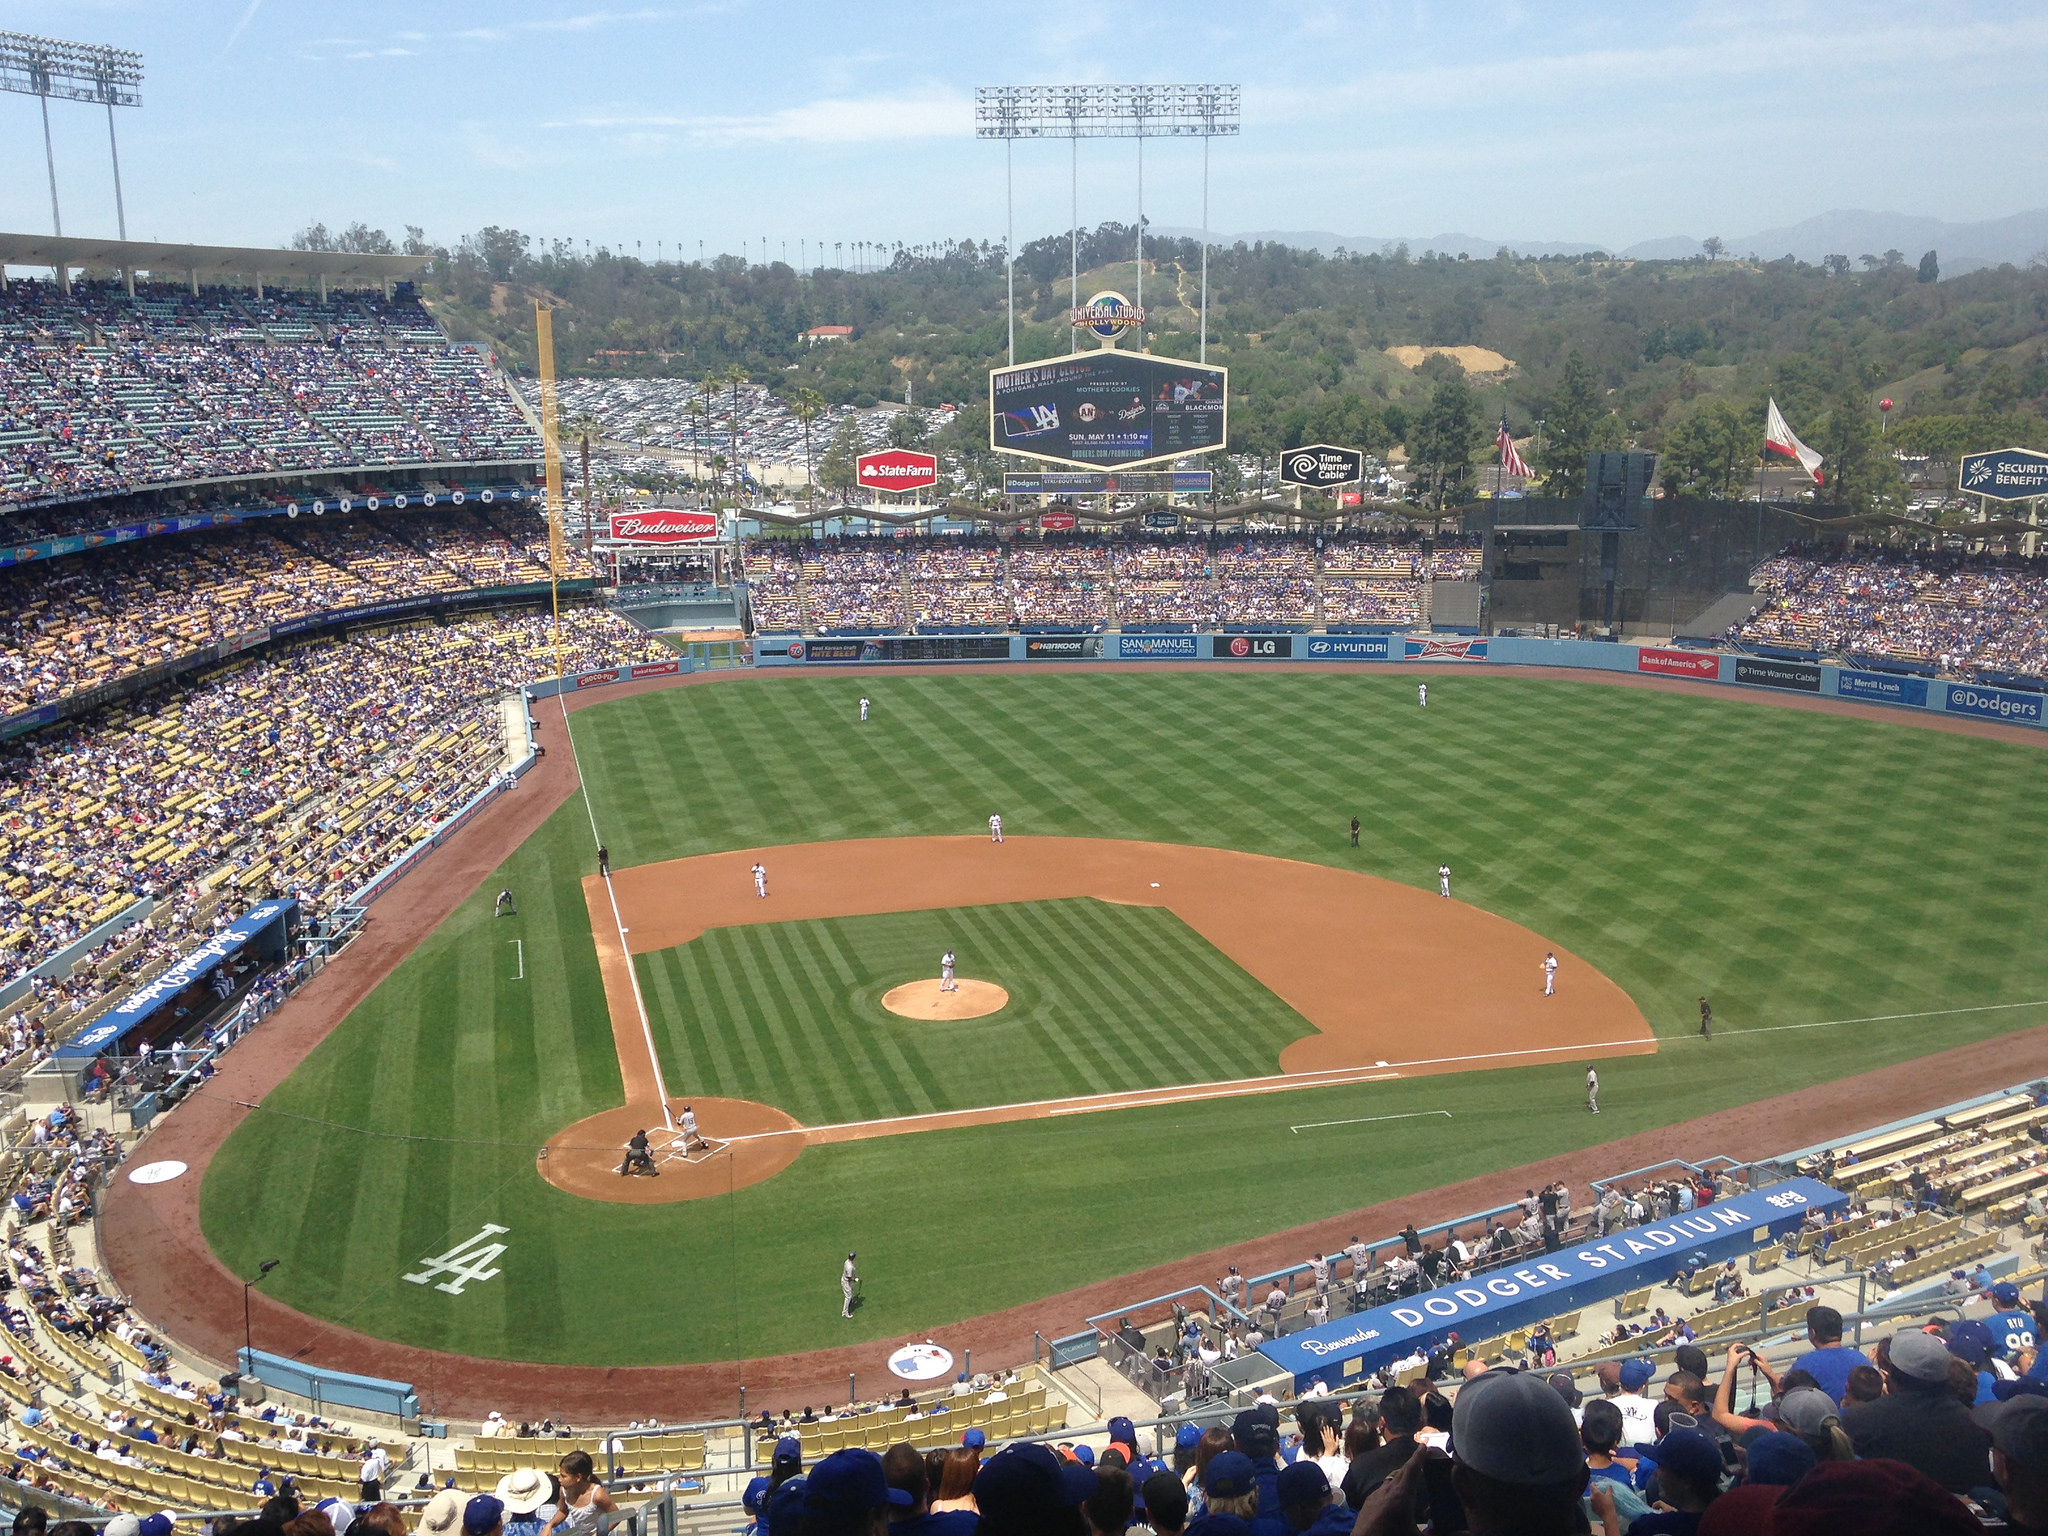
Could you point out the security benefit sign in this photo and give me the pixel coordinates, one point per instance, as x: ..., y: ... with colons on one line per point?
x: 1544, y: 1285
x: 2009, y: 474
x: 1098, y: 410
x: 1319, y: 466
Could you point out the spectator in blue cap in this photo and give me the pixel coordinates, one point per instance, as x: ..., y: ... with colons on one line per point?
x: 785, y: 1504
x: 1970, y: 1341
x: 1779, y: 1459
x: 1308, y: 1503
x: 974, y: 1439
x: 1256, y: 1434
x: 1688, y: 1480
x: 1026, y: 1490
x: 904, y: 1466
x: 847, y: 1494
x: 1232, y: 1487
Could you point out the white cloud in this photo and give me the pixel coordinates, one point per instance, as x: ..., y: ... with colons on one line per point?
x: 936, y: 114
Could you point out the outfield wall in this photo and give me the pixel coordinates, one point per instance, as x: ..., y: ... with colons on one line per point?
x: 1737, y: 670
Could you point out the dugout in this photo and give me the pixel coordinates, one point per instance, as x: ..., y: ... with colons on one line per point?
x: 182, y: 994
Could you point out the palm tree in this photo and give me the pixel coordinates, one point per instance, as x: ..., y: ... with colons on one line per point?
x: 585, y: 428
x: 806, y: 405
x: 735, y: 376
x: 701, y: 442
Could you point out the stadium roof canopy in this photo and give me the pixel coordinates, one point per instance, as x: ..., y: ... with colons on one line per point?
x: 206, y: 260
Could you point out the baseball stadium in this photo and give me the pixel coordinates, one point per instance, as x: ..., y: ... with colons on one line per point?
x: 531, y: 999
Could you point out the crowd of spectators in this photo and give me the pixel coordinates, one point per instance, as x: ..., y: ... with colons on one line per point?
x: 858, y: 584
x: 100, y: 394
x: 1952, y: 613
x: 94, y: 617
x: 303, y: 772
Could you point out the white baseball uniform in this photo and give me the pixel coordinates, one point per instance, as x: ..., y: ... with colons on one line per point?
x: 1443, y: 879
x: 1549, y: 975
x: 946, y: 982
x: 1422, y: 694
x: 1593, y: 1090
x: 690, y: 1128
x: 760, y: 880
x: 995, y: 829
x: 847, y: 1280
x: 863, y: 707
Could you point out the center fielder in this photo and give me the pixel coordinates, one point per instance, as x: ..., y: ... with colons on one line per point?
x: 863, y: 707
x: 1422, y: 694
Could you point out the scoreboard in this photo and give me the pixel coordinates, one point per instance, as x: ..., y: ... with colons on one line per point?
x: 1108, y: 409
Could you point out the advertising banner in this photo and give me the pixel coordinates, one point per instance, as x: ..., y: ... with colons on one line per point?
x: 1056, y: 522
x: 1994, y: 703
x: 1251, y: 647
x: 896, y: 469
x: 654, y: 669
x: 597, y: 679
x: 1062, y: 647
x: 1160, y: 647
x: 1105, y: 410
x: 1348, y: 647
x: 1340, y: 1351
x: 1320, y: 465
x: 1442, y: 648
x: 1074, y: 482
x: 834, y: 650
x: 1701, y: 664
x: 2010, y: 474
x: 1764, y: 672
x: 664, y: 525
x: 1884, y: 687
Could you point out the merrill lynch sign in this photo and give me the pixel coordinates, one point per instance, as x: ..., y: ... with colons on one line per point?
x: 1542, y: 1287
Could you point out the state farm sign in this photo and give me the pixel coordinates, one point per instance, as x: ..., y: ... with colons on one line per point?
x: 896, y: 469
x: 661, y: 525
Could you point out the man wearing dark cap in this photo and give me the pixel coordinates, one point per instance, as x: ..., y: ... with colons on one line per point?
x: 903, y: 1467
x: 1256, y: 1433
x: 1828, y: 1362
x: 1308, y: 1503
x: 1026, y: 1490
x: 1166, y: 1502
x: 483, y: 1515
x: 1232, y: 1488
x: 1918, y: 1420
x: 1517, y: 1469
x: 848, y: 1495
x: 1688, y: 1478
x: 2019, y: 1459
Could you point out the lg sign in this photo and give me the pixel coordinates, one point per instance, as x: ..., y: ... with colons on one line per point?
x: 663, y: 526
x: 897, y: 469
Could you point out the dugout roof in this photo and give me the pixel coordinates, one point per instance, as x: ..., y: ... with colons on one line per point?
x: 206, y: 260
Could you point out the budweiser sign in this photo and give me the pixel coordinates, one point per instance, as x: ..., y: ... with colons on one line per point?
x: 661, y: 525
x: 896, y: 469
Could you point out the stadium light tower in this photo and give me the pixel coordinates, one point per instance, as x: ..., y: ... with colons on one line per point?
x: 43, y: 67
x: 1077, y: 112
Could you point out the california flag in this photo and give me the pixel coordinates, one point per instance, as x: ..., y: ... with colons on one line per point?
x: 1779, y: 436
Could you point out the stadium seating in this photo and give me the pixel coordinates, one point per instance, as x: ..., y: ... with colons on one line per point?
x: 100, y: 394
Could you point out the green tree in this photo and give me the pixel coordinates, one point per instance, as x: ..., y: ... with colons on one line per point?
x: 1569, y: 418
x: 1445, y: 437
x: 837, y: 468
x: 806, y: 405
x: 907, y: 428
x: 1930, y: 269
x: 1861, y: 473
x: 1346, y: 421
x: 1709, y: 448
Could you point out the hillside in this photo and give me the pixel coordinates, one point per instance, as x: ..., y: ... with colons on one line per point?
x: 1675, y: 355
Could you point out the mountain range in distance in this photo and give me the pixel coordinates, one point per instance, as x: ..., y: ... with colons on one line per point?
x: 1852, y: 232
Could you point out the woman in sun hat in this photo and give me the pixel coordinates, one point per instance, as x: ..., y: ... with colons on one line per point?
x: 529, y: 1496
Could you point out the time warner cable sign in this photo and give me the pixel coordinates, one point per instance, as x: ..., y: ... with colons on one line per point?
x: 1545, y: 1285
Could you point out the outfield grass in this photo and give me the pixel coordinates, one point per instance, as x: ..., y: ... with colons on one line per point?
x: 1797, y: 867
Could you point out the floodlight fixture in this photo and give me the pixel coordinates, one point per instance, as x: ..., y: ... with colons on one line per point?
x: 1077, y: 112
x: 44, y: 67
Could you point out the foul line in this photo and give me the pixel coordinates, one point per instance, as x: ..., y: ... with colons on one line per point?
x: 618, y: 922
x: 1875, y: 1018
x: 1415, y: 1114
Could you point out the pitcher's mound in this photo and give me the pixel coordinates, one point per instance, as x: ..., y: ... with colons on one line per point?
x: 923, y: 1000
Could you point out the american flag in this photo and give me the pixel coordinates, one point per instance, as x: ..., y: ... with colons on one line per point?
x: 1510, y: 460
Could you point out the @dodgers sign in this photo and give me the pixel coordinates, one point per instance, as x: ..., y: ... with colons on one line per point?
x: 1320, y: 464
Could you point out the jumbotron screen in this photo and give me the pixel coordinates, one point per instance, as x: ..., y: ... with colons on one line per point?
x: 1107, y: 409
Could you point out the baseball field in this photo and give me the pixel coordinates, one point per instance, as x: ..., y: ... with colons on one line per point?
x: 1850, y: 892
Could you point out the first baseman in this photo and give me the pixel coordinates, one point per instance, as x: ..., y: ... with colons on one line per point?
x: 760, y: 880
x: 946, y: 981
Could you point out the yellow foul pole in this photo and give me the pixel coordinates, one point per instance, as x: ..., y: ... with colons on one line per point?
x: 551, y: 443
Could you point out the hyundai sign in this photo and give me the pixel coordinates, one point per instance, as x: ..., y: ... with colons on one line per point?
x: 2008, y: 474
x: 1543, y: 1285
x: 1108, y: 410
x: 896, y: 469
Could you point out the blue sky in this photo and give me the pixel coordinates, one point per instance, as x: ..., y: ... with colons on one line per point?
x: 617, y: 120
